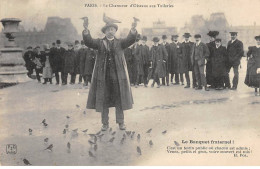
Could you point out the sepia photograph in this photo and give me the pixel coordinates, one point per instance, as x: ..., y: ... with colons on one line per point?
x: 129, y: 83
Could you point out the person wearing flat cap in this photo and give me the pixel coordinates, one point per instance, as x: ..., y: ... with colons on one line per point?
x: 235, y: 53
x: 186, y: 61
x: 110, y: 85
x: 159, y: 57
x: 211, y: 45
x: 167, y: 47
x: 218, y: 64
x: 174, y: 60
x: 253, y: 66
x: 200, y: 53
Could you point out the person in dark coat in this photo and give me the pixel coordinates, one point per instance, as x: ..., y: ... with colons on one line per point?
x: 129, y: 62
x: 186, y: 65
x: 110, y: 85
x: 136, y: 69
x: 86, y: 58
x: 253, y: 66
x: 77, y: 47
x: 211, y: 45
x: 69, y: 65
x: 142, y: 62
x: 174, y: 59
x: 235, y: 53
x: 167, y: 47
x: 28, y: 57
x: 57, y: 60
x: 200, y: 53
x: 159, y: 57
x: 218, y: 64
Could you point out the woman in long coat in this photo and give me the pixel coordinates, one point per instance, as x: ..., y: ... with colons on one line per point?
x: 159, y: 58
x: 47, y: 70
x: 253, y: 66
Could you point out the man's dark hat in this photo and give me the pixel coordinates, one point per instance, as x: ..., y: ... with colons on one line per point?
x: 175, y: 36
x: 197, y: 36
x: 218, y: 40
x: 53, y: 43
x: 164, y: 37
x: 109, y: 25
x: 82, y: 42
x: 213, y: 33
x: 138, y: 37
x: 76, y: 42
x: 233, y: 33
x: 70, y: 44
x: 156, y: 39
x: 58, y: 42
x: 187, y: 35
x: 29, y: 47
x: 144, y: 38
x: 257, y: 37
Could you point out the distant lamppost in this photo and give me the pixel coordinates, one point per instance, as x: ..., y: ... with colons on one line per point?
x: 12, y: 69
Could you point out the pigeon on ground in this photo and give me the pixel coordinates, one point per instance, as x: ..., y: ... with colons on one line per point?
x: 64, y: 131
x: 68, y: 145
x: 138, y: 149
x: 100, y: 136
x: 85, y: 131
x: 149, y: 131
x: 77, y: 106
x: 95, y: 147
x: 26, y: 162
x: 45, y: 124
x: 75, y: 130
x: 30, y: 130
x: 112, y: 139
x: 44, y: 120
x: 124, y: 136
x: 151, y: 142
x: 114, y: 133
x: 46, y: 140
x: 98, y: 133
x: 122, y: 140
x: 67, y: 117
x: 128, y: 133
x: 49, y: 147
x: 164, y: 132
x: 138, y: 137
x: 84, y: 112
x: 90, y: 154
x: 91, y: 142
x: 66, y: 126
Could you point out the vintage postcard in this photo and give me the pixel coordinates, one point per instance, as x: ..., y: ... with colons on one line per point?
x: 129, y: 83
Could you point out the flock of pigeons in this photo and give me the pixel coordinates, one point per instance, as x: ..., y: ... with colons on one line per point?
x: 93, y: 141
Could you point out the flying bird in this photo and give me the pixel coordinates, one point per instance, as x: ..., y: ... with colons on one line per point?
x: 49, y: 147
x: 26, y: 162
x: 136, y: 19
x: 107, y: 19
x: 151, y: 142
x: 112, y: 139
x: 90, y: 154
x: 164, y: 132
x: 138, y: 149
x: 95, y: 147
x: 176, y: 143
x: 149, y: 131
x: 85, y: 131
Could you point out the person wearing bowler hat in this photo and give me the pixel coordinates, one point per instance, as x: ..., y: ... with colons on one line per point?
x: 211, y: 45
x: 186, y: 60
x: 142, y: 61
x: 200, y: 53
x: 235, y: 53
x: 218, y: 64
x: 165, y: 80
x: 159, y: 57
x: 174, y: 59
x: 69, y: 65
x: 110, y: 85
x: 253, y: 66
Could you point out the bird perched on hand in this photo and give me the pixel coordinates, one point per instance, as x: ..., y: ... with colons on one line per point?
x: 138, y: 149
x: 49, y: 147
x: 108, y: 20
x: 85, y: 23
x: 26, y: 162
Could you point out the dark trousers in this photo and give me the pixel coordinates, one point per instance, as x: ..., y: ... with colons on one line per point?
x: 64, y: 77
x: 87, y: 78
x: 218, y: 81
x: 177, y: 79
x: 146, y: 72
x: 57, y: 77
x: 38, y: 77
x: 30, y: 71
x: 119, y: 115
x: 72, y: 78
x: 235, y: 78
x: 194, y: 80
x: 156, y: 79
x: 80, y: 78
x: 199, y: 73
x: 187, y: 77
x: 165, y: 79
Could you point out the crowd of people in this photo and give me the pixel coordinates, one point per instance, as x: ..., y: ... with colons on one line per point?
x: 165, y: 63
x: 76, y: 60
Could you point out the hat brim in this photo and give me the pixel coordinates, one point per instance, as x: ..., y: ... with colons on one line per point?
x: 108, y: 26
